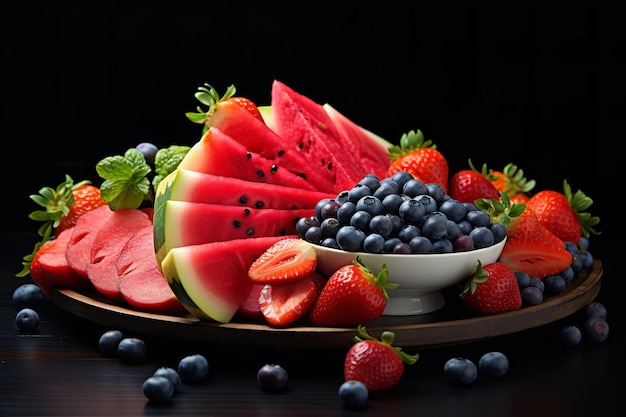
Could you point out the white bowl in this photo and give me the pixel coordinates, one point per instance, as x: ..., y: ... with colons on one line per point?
x: 420, y: 277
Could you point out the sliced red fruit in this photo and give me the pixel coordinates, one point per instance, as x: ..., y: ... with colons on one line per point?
x: 250, y: 310
x: 534, y: 257
x: 55, y: 271
x: 284, y: 303
x: 107, y: 247
x: 78, y: 252
x: 141, y: 280
x: 286, y: 260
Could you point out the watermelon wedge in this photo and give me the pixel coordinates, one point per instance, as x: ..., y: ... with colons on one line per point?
x: 197, y: 187
x: 240, y: 124
x: 305, y: 125
x: 218, y: 154
x: 180, y: 223
x: 211, y: 279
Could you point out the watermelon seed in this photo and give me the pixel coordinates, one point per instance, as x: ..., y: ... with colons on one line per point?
x: 260, y: 173
x: 274, y: 169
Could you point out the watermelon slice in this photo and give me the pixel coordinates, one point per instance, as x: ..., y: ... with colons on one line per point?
x: 218, y: 154
x: 78, y: 253
x: 307, y: 126
x: 247, y: 129
x: 211, y: 280
x: 180, y: 223
x: 197, y: 187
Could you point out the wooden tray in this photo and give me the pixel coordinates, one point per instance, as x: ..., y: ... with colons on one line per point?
x: 450, y: 325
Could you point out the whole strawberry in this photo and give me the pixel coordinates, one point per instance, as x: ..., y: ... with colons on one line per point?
x: 376, y: 363
x: 492, y: 289
x: 353, y: 295
x: 468, y: 185
x: 564, y: 213
x: 420, y: 158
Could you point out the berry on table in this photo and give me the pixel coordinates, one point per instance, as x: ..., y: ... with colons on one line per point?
x: 353, y: 394
x: 596, y: 329
x: 460, y: 371
x: 494, y: 364
x: 272, y: 377
x: 569, y: 335
x: 595, y: 309
x: 109, y: 342
x: 131, y: 350
x: 193, y: 368
x: 28, y: 295
x: 27, y: 319
x: 158, y: 388
x: 169, y: 373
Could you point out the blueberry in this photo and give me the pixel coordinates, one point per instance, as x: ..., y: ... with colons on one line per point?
x: 537, y: 283
x: 374, y: 243
x: 193, y: 368
x: 349, y: 238
x: 453, y: 209
x: 569, y: 335
x: 554, y: 284
x: 567, y: 274
x: 149, y: 151
x: 28, y: 295
x: 109, y: 341
x: 463, y: 243
x: 169, y: 373
x: 158, y: 388
x: 523, y: 279
x: 531, y: 296
x: 460, y: 371
x: 414, y: 187
x: 494, y: 364
x: 483, y: 237
x: 353, y: 394
x: 596, y: 329
x: 272, y: 377
x: 131, y: 350
x: 595, y: 309
x: 27, y: 319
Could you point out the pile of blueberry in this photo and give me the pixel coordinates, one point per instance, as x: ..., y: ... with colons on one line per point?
x: 398, y: 214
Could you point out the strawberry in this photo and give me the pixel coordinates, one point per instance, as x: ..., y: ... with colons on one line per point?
x: 469, y: 185
x: 352, y: 295
x: 563, y: 213
x: 284, y: 303
x: 534, y: 257
x: 208, y: 96
x: 62, y: 208
x: 492, y: 289
x: 527, y: 225
x: 290, y: 259
x: 511, y: 180
x: 376, y: 363
x: 420, y: 158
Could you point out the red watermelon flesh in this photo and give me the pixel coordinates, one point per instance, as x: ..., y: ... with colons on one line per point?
x: 78, y: 253
x: 211, y: 279
x: 371, y: 150
x: 197, y: 187
x: 141, y: 281
x: 305, y: 125
x: 196, y: 223
x: 247, y: 129
x: 107, y: 246
x: 218, y: 154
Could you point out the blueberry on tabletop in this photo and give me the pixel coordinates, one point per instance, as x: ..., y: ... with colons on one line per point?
x: 169, y: 373
x: 272, y: 377
x: 460, y: 371
x: 131, y: 350
x: 158, y: 388
x: 494, y: 364
x: 596, y: 330
x: 569, y: 335
x: 193, y: 368
x: 28, y: 295
x: 27, y: 319
x: 595, y: 309
x: 353, y: 394
x: 109, y: 342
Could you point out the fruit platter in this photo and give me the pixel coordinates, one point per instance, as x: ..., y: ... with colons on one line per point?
x: 289, y: 221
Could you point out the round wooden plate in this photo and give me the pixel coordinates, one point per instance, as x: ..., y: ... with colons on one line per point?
x: 450, y: 325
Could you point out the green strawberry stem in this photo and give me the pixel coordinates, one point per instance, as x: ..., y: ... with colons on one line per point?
x: 387, y: 338
x: 501, y: 211
x: 208, y: 96
x: 380, y: 279
x: 579, y: 202
x: 410, y: 142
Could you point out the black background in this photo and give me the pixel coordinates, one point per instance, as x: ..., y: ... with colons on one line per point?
x: 542, y: 89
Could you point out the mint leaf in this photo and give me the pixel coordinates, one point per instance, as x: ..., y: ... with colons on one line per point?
x: 125, y: 185
x: 166, y: 161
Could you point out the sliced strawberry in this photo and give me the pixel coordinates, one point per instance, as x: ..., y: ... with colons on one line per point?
x: 527, y: 225
x: 284, y: 303
x: 250, y: 310
x: 534, y: 257
x: 289, y: 259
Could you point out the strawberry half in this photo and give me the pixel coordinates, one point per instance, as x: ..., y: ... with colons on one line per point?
x: 289, y: 259
x: 284, y: 303
x: 536, y: 258
x: 469, y: 185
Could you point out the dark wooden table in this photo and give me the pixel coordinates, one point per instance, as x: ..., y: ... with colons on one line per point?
x: 58, y: 370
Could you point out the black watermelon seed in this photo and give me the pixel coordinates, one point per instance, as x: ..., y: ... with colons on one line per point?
x: 237, y: 223
x: 260, y: 173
